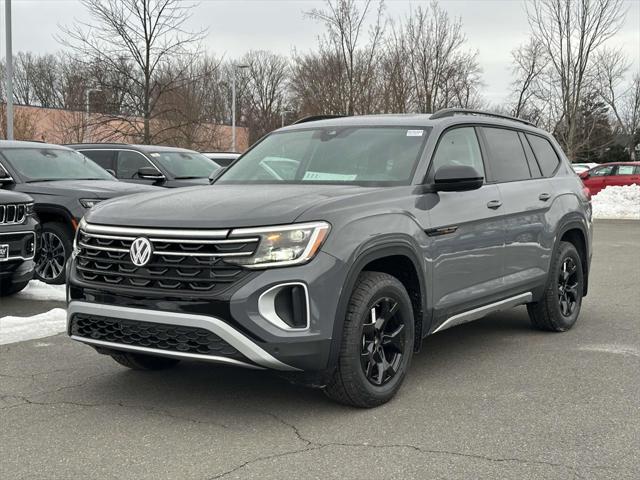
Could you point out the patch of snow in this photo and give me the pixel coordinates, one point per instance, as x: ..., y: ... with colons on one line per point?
x: 617, y: 202
x: 19, y: 329
x: 37, y: 290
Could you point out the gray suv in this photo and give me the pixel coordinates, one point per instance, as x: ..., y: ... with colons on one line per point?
x: 333, y: 247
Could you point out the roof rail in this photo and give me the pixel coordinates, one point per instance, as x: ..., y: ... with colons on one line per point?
x: 450, y: 112
x: 314, y: 118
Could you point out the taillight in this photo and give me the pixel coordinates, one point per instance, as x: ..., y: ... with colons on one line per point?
x: 587, y: 193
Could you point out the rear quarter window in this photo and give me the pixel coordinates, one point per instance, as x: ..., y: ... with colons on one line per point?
x: 545, y: 154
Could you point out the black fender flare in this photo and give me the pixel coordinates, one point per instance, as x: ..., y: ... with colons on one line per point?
x: 56, y: 210
x: 574, y: 223
x: 369, y: 254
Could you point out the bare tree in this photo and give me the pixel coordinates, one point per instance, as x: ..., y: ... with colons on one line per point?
x: 148, y: 35
x: 529, y: 67
x: 571, y: 32
x: 622, y: 99
x: 345, y: 23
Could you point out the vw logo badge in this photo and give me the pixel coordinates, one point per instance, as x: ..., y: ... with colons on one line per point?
x: 140, y: 251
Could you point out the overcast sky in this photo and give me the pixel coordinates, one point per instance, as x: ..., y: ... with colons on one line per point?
x: 493, y: 27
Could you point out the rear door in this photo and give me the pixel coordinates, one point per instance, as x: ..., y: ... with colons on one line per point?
x: 465, y: 230
x: 527, y: 194
x: 624, y: 175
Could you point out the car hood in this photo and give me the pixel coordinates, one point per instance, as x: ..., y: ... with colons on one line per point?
x: 218, y: 206
x: 182, y: 182
x: 85, y: 188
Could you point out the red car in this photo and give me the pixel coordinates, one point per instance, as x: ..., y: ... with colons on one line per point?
x: 609, y: 174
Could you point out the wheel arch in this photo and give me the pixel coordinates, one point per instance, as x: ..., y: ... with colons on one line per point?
x: 54, y: 213
x: 575, y: 232
x: 387, y: 258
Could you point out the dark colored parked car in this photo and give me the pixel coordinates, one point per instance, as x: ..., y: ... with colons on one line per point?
x: 611, y: 174
x: 18, y: 239
x: 224, y: 159
x: 64, y: 185
x: 151, y: 164
x: 391, y: 228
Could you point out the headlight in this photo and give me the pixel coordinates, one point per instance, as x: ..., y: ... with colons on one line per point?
x: 90, y: 202
x: 29, y: 208
x: 282, y: 246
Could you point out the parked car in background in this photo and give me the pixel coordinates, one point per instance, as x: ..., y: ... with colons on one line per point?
x: 224, y: 159
x: 18, y: 240
x: 64, y: 184
x: 391, y: 228
x: 150, y: 164
x: 611, y: 174
x: 583, y: 167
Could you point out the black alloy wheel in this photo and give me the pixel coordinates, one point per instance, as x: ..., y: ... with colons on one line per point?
x: 568, y: 283
x: 382, y: 342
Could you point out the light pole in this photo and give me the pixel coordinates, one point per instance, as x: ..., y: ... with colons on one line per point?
x: 9, y: 73
x: 283, y: 113
x: 88, y: 92
x: 233, y: 105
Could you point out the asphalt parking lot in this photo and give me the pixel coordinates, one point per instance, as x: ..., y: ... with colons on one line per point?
x: 491, y: 399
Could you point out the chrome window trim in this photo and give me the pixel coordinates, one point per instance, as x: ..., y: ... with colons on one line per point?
x: 266, y: 307
x: 20, y: 257
x: 215, y: 325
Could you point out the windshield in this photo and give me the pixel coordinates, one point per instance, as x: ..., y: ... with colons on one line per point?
x: 338, y: 155
x: 35, y: 165
x: 186, y: 164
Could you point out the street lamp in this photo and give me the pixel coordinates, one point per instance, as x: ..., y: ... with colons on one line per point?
x: 233, y: 105
x: 9, y: 69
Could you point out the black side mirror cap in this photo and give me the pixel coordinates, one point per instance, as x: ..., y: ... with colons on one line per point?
x: 457, y: 178
x: 150, y: 173
x: 5, y: 177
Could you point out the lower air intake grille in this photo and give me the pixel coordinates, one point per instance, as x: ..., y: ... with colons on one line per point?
x: 173, y: 338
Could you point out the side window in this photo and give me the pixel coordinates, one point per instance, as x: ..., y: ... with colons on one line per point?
x: 458, y: 146
x: 104, y: 158
x: 602, y: 171
x: 506, y: 155
x: 534, y: 168
x: 129, y: 163
x: 625, y: 170
x: 546, y: 155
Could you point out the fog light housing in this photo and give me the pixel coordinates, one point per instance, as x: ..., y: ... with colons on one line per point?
x: 286, y: 306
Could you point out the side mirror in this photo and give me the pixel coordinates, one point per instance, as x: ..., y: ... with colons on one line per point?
x: 457, y: 178
x: 216, y: 173
x: 111, y: 172
x: 584, y: 175
x: 5, y: 177
x: 150, y: 173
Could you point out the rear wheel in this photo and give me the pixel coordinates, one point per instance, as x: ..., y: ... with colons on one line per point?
x: 55, y: 248
x: 137, y: 361
x: 377, y: 342
x: 559, y: 307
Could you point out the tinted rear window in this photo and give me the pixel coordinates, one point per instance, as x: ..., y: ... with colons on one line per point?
x: 506, y: 155
x: 545, y: 154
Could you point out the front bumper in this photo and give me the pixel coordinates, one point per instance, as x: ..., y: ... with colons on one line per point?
x: 22, y: 241
x: 233, y: 316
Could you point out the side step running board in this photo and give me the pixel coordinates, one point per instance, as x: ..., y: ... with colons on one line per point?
x: 480, y: 312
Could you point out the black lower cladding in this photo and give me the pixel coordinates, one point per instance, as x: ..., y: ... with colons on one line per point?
x: 160, y: 336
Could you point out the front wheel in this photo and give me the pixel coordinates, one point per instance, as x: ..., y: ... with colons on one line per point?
x: 55, y: 248
x: 559, y: 307
x: 377, y: 343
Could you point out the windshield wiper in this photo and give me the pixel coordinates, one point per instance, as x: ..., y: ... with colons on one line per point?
x: 188, y: 177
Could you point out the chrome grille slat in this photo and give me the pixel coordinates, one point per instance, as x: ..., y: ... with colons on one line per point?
x: 178, y: 264
x: 13, y: 213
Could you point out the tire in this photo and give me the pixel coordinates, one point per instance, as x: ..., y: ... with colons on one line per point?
x: 357, y: 380
x: 137, y: 361
x: 7, y: 288
x: 559, y: 307
x: 55, y: 249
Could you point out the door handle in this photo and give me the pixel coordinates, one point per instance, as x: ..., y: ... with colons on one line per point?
x: 544, y: 196
x: 494, y: 204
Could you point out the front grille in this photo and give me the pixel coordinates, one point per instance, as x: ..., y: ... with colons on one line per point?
x: 177, y: 265
x: 13, y: 213
x: 160, y: 336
